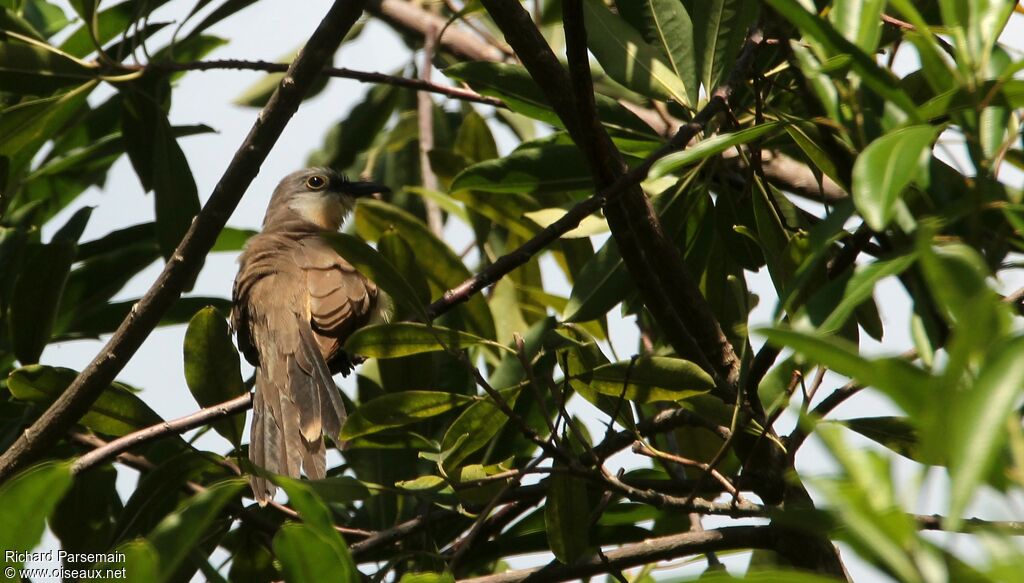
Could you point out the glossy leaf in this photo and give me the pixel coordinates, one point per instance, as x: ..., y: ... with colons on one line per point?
x: 28, y: 499
x: 160, y: 164
x: 474, y: 428
x: 36, y: 298
x: 181, y: 532
x: 212, y: 368
x: 721, y: 29
x: 886, y: 167
x: 116, y: 412
x: 406, y: 338
x: 627, y: 57
x: 881, y: 81
x: 513, y: 85
x: 665, y: 24
x: 317, y: 518
x: 896, y: 433
x: 907, y: 385
x: 27, y: 125
x: 307, y: 558
x: 539, y: 167
x: 649, y: 379
x: 32, y: 70
x: 567, y: 517
x: 710, y: 147
x: 832, y: 305
x: 397, y: 409
x: 978, y: 431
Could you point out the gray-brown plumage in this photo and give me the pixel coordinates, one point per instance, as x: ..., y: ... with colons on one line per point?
x: 296, y: 301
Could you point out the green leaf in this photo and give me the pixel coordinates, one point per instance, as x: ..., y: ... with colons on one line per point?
x: 831, y: 306
x: 857, y: 21
x: 627, y: 58
x: 567, y: 516
x: 474, y: 428
x: 212, y: 368
x: 27, y: 500
x: 317, y: 518
x: 356, y: 132
x: 339, y: 489
x: 887, y: 166
x: 513, y: 85
x: 84, y: 519
x: 27, y: 125
x: 650, y: 379
x: 539, y: 167
x: 721, y: 29
x: 895, y: 433
x: 182, y: 531
x: 32, y: 70
x: 710, y: 147
x: 36, y: 297
x: 160, y: 163
x: 397, y: 409
x: 140, y: 559
x: 979, y: 428
x: 601, y: 284
x: 117, y: 411
x: 307, y: 558
x: 882, y: 81
x: 442, y: 267
x: 406, y: 338
x: 427, y: 578
x: 378, y: 269
x: 908, y: 386
x: 590, y: 225
x: 666, y: 25
x: 232, y: 239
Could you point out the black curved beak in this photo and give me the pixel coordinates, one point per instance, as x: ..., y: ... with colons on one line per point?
x: 364, y: 189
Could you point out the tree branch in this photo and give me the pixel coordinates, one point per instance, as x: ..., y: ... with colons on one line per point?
x: 133, y: 331
x: 124, y: 443
x: 648, y: 551
x: 339, y: 72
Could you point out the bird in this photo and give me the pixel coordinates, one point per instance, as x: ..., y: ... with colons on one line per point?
x: 295, y: 302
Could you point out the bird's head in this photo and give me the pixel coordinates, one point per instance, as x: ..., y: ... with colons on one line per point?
x: 320, y: 196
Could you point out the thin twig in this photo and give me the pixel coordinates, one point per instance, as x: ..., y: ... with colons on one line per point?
x: 421, y: 85
x: 425, y: 117
x: 174, y: 427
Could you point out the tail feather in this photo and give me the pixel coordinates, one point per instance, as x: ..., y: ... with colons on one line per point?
x: 296, y: 404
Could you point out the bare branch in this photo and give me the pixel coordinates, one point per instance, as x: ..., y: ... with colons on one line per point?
x: 338, y: 72
x: 648, y: 551
x: 124, y: 443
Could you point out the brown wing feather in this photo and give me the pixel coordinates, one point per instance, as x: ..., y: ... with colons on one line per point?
x: 341, y: 300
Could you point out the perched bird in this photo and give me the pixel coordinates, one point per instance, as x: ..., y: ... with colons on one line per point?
x: 296, y: 301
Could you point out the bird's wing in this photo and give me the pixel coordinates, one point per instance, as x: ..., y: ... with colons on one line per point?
x: 341, y: 299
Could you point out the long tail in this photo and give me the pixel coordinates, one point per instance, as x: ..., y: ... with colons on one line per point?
x: 296, y: 404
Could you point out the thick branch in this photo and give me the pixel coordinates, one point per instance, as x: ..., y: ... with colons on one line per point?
x: 144, y: 317
x: 409, y: 16
x: 648, y: 551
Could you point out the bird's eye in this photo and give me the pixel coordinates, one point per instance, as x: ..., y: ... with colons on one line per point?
x: 316, y: 182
